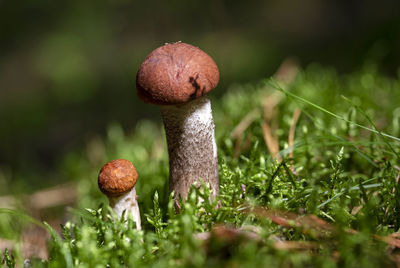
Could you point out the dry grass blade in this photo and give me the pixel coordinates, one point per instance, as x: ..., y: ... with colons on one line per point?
x: 4, y: 243
x: 310, y: 224
x: 233, y: 236
x: 395, y: 235
x: 33, y: 243
x: 271, y: 141
x: 228, y: 233
x: 7, y: 201
x: 392, y: 240
x: 245, y: 123
x: 292, y: 130
x: 295, y: 245
x: 356, y: 209
x: 237, y: 133
x: 47, y: 198
x: 58, y: 196
x: 270, y: 125
x: 285, y: 74
x: 34, y: 239
x: 287, y: 71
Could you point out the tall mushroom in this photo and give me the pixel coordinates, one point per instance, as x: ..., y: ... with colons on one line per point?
x: 177, y: 77
x: 117, y: 181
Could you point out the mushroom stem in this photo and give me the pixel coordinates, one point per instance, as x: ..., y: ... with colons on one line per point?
x: 127, y: 202
x: 191, y: 144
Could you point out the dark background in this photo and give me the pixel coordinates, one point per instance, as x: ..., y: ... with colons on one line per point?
x: 67, y: 68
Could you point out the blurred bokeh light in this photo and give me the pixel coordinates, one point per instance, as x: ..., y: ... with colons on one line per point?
x: 67, y: 68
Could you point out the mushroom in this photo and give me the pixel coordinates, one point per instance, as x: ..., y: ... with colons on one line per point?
x: 177, y: 77
x: 117, y: 181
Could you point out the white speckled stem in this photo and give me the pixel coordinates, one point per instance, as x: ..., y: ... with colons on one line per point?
x: 191, y: 146
x: 127, y: 202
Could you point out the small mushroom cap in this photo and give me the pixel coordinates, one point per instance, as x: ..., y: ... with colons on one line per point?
x: 117, y: 177
x: 176, y: 73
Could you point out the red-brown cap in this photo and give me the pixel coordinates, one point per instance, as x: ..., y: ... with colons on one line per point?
x: 176, y: 73
x: 117, y: 177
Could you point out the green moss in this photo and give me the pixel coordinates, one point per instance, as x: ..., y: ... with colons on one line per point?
x: 342, y: 169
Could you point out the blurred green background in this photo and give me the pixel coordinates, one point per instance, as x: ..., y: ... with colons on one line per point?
x: 67, y: 68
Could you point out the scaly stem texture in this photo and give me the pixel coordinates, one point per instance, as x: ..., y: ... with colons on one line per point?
x: 192, y: 149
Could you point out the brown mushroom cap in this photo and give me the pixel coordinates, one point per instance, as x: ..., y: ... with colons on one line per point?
x: 117, y: 177
x: 176, y: 73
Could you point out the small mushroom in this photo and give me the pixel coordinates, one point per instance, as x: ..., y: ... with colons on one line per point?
x: 117, y: 181
x: 177, y: 77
